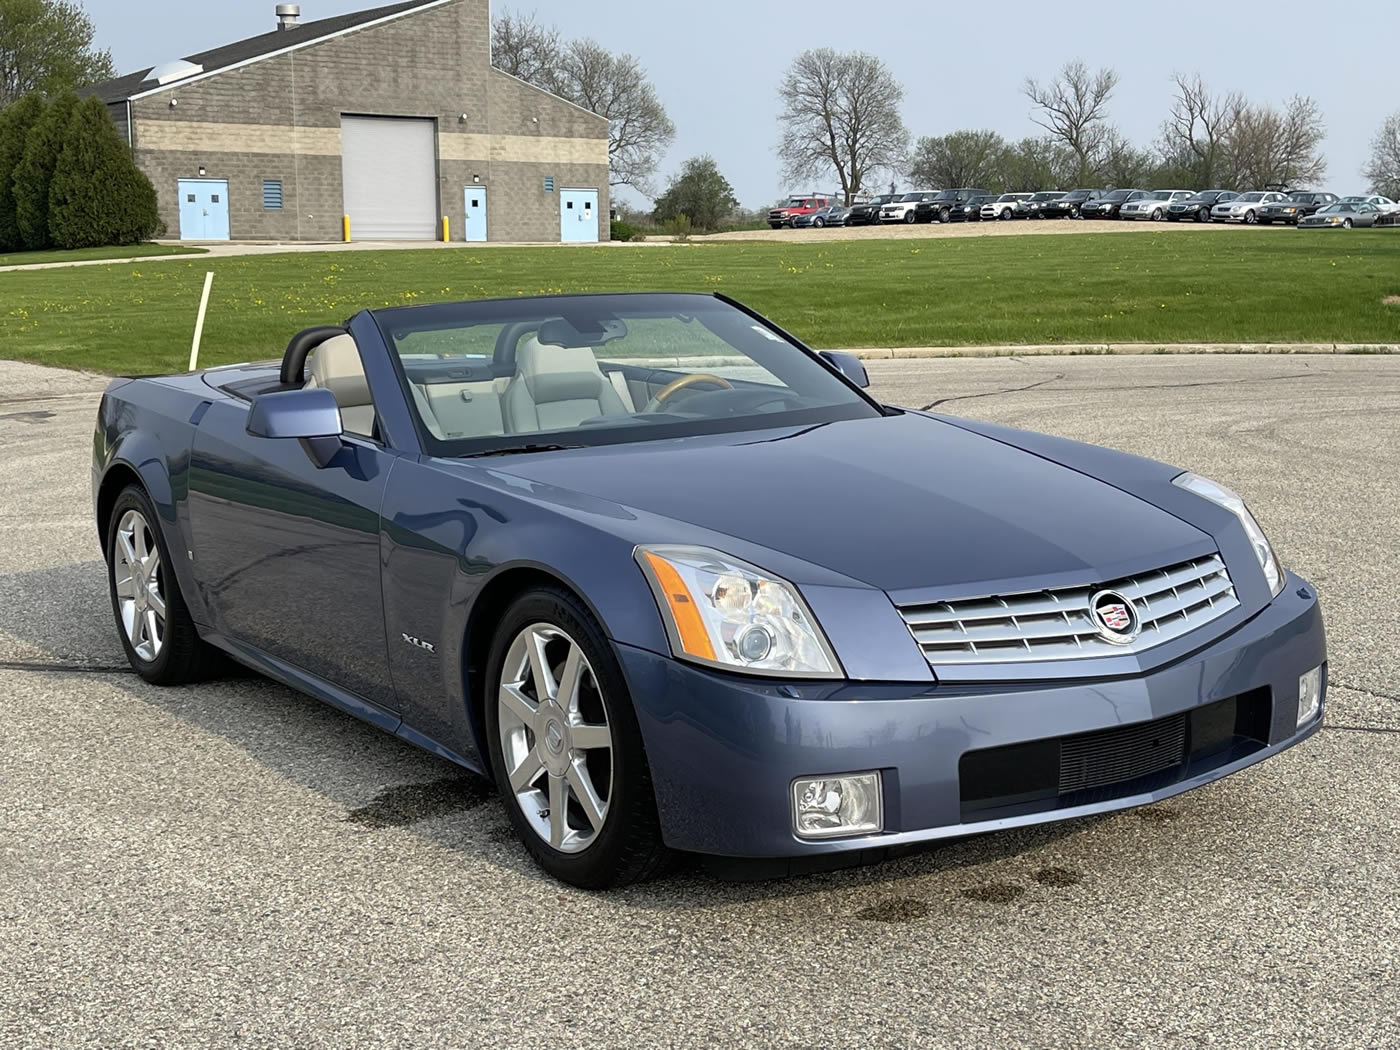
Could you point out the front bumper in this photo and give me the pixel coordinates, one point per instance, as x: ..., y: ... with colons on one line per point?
x: 724, y: 749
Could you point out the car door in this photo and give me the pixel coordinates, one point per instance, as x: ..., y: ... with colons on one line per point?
x: 286, y: 553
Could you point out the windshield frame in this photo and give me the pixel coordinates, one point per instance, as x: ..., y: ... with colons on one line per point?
x: 661, y: 304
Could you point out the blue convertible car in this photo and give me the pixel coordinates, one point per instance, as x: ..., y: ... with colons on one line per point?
x: 673, y: 581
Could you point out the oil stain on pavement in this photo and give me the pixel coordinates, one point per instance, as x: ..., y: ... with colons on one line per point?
x: 406, y: 804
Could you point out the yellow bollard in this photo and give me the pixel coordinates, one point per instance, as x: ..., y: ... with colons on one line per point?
x: 345, y: 227
x: 446, y: 230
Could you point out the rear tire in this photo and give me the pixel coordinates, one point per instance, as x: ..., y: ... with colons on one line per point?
x: 624, y: 844
x: 156, y: 630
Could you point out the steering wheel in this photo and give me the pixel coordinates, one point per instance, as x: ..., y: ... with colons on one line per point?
x: 667, y: 391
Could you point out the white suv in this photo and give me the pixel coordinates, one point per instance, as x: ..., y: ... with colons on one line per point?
x: 1245, y: 207
x: 901, y: 209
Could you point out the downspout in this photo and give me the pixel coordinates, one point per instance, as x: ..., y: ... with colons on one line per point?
x: 130, y: 131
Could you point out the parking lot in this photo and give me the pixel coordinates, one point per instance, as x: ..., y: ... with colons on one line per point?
x: 237, y: 863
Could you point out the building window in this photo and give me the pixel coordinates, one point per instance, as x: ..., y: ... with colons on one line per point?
x: 272, y: 194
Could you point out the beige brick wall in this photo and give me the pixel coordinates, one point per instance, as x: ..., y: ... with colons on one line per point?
x: 279, y: 118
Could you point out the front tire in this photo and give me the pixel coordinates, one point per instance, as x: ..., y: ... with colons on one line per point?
x: 1156, y: 214
x: 1346, y: 224
x: 945, y: 215
x: 1250, y: 218
x: 819, y: 223
x: 565, y: 747
x: 156, y: 629
x: 1202, y: 215
x: 910, y: 218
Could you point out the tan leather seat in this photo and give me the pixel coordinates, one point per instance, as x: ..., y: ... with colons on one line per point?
x: 336, y: 366
x: 557, y: 387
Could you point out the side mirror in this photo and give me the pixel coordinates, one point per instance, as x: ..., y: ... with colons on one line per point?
x: 849, y: 365
x: 310, y: 416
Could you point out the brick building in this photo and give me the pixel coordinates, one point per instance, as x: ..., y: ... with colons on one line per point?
x: 393, y: 117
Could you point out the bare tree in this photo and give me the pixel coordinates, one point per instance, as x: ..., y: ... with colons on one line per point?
x: 1383, y: 169
x: 1074, y: 109
x: 616, y: 87
x: 1196, y: 134
x: 524, y: 48
x: 960, y: 158
x: 1272, y: 147
x: 840, y: 114
x: 591, y: 76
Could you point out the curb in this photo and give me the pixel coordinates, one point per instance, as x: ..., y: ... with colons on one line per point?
x: 1120, y: 349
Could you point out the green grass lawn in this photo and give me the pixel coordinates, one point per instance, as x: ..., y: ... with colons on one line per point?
x: 131, y: 251
x: 1228, y: 286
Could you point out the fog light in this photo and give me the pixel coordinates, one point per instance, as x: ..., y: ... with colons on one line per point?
x: 1309, y: 695
x: 835, y: 806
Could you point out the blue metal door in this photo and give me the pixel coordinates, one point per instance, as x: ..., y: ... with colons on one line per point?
x: 204, y: 210
x: 578, y: 216
x: 476, y: 213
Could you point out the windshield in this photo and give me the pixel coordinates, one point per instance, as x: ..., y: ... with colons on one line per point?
x: 1158, y: 195
x: 1243, y: 197
x: 1337, y: 208
x: 602, y: 369
x: 798, y: 202
x: 1048, y: 195
x: 1305, y: 198
x: 909, y: 198
x: 1118, y: 195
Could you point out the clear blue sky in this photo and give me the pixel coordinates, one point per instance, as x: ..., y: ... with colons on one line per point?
x: 717, y: 66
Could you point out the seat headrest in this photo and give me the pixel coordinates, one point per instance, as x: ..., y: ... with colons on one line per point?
x: 336, y: 366
x: 558, y: 373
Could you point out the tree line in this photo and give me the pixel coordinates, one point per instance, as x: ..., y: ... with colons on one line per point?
x: 840, y: 118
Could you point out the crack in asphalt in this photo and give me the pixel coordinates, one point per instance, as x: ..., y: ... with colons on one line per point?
x: 1364, y: 729
x: 52, y: 667
x: 990, y: 393
x: 1213, y: 382
x: 1364, y: 691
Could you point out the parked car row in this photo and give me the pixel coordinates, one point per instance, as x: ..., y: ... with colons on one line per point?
x: 970, y: 204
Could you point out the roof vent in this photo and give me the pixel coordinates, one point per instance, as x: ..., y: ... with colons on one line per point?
x: 287, y: 15
x: 173, y: 71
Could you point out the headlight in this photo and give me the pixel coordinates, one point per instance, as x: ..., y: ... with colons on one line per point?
x: 726, y: 613
x: 1223, y: 497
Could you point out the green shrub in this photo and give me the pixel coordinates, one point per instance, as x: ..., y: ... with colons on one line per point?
x: 98, y: 196
x: 15, y: 121
x: 34, y: 175
x: 622, y: 231
x: 678, y: 227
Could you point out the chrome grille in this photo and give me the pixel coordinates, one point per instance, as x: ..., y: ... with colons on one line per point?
x: 1057, y: 625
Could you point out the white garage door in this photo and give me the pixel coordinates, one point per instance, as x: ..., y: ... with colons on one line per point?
x: 389, y: 167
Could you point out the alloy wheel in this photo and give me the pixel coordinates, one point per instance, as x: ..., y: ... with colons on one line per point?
x: 556, y: 741
x: 139, y: 578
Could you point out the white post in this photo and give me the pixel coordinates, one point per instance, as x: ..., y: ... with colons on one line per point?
x: 199, y: 321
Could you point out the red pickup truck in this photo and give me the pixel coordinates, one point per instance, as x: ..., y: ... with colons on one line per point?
x: 804, y: 205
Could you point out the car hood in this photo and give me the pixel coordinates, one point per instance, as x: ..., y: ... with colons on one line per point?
x: 899, y: 503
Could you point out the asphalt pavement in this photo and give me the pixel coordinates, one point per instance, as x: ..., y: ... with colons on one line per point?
x: 235, y: 864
